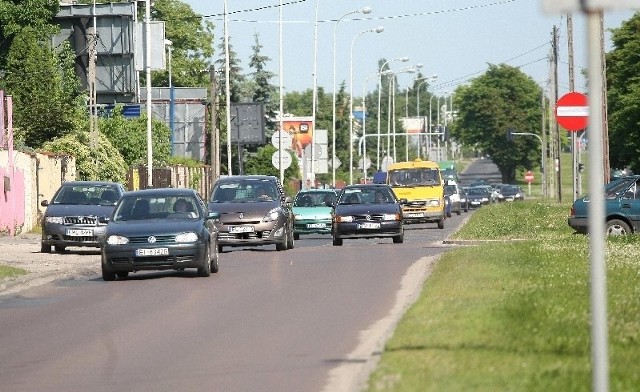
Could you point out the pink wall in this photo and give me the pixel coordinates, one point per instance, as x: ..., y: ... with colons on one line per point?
x: 12, y: 202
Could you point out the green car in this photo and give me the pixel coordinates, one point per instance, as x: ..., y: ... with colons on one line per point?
x: 312, y: 211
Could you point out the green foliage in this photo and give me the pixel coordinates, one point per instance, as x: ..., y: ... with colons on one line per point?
x: 623, y: 89
x: 503, y: 98
x: 47, y: 98
x: 95, y: 160
x: 129, y: 137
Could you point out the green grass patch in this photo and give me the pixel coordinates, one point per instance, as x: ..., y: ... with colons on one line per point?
x: 11, y: 272
x: 514, y: 315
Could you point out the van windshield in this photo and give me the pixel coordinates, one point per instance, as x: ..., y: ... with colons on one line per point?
x: 414, y: 177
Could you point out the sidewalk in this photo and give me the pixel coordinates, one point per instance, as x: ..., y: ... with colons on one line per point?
x: 23, y: 251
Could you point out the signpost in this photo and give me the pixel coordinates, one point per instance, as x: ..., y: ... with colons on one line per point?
x: 529, y: 178
x: 572, y: 111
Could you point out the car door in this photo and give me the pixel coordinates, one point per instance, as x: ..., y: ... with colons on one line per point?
x: 630, y: 204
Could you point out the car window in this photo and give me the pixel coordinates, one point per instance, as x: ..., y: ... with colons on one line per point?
x: 314, y: 199
x: 245, y: 191
x: 86, y: 195
x: 156, y: 207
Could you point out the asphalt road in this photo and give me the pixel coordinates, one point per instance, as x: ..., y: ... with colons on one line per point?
x: 313, y: 318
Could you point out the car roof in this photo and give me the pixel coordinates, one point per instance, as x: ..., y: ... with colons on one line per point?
x: 89, y: 183
x: 318, y: 190
x: 161, y: 191
x: 361, y: 186
x: 248, y: 177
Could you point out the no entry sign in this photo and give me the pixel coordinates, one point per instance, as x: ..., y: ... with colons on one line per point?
x: 572, y: 111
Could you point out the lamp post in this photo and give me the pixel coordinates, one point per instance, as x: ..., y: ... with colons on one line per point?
x: 172, y: 95
x: 365, y: 10
x: 439, y: 109
x: 378, y: 29
x: 427, y: 79
x: 392, y: 85
x: 403, y: 59
x: 364, y: 123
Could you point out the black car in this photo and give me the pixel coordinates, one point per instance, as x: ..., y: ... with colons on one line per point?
x: 71, y: 217
x: 160, y: 229
x: 367, y: 211
x: 254, y: 211
x: 478, y: 196
x: 510, y: 193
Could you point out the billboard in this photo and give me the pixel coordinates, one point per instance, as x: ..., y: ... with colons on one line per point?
x: 413, y: 124
x: 301, y: 130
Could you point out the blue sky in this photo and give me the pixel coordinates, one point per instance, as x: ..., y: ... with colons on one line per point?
x: 454, y: 39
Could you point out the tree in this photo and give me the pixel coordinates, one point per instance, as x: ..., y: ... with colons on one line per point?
x: 47, y: 98
x: 129, y: 137
x: 236, y: 78
x: 623, y: 68
x: 101, y: 161
x: 260, y: 163
x: 502, y: 98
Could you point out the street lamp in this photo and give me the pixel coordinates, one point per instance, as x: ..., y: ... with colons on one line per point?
x: 365, y: 10
x: 378, y: 29
x: 392, y: 93
x: 404, y: 60
x: 172, y: 95
x: 364, y: 122
x: 427, y: 79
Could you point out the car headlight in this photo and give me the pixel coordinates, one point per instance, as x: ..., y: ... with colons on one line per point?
x: 187, y: 237
x: 433, y: 203
x: 54, y: 219
x: 297, y: 217
x: 391, y: 217
x: 117, y: 240
x: 485, y: 199
x: 347, y: 218
x: 271, y: 215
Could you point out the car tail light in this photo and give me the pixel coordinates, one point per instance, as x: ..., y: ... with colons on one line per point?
x: 572, y: 212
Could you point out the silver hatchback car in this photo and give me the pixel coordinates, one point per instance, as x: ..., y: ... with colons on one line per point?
x: 254, y: 211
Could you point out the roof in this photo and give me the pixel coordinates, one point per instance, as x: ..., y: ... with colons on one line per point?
x: 246, y: 177
x: 164, y: 191
x: 90, y: 183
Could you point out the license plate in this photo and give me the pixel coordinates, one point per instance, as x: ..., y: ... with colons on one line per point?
x: 475, y: 202
x: 152, y: 252
x: 80, y: 232
x: 241, y: 229
x: 316, y: 225
x: 414, y: 215
x: 369, y: 225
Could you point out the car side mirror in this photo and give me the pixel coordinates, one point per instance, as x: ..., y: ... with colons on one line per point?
x: 288, y: 200
x: 215, y: 215
x: 403, y: 201
x: 103, y: 219
x: 44, y: 203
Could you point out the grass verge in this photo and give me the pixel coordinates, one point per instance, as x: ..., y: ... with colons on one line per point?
x: 11, y: 272
x: 515, y: 314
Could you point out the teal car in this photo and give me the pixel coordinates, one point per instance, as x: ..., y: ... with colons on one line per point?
x: 312, y: 211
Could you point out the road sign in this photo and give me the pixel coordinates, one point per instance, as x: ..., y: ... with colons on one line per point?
x: 572, y: 111
x: 366, y: 162
x: 566, y: 6
x: 286, y: 139
x: 335, y: 162
x: 286, y: 159
x: 386, y: 161
x: 529, y: 177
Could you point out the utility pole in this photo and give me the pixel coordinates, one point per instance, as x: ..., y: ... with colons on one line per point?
x: 93, y: 104
x: 215, y: 132
x: 556, y: 131
x: 605, y: 121
x: 574, y: 135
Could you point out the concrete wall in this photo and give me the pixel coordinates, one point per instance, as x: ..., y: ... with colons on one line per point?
x: 25, y: 180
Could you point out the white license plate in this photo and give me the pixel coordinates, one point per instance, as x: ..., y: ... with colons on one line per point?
x: 475, y: 202
x: 369, y: 225
x: 241, y: 229
x: 152, y: 252
x: 414, y: 215
x: 80, y: 232
x: 316, y: 225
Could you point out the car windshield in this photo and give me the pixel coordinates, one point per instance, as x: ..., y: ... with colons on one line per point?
x: 154, y: 206
x: 372, y: 195
x: 414, y: 177
x: 86, y: 195
x: 244, y: 191
x: 510, y: 189
x: 477, y: 192
x: 449, y: 190
x: 314, y: 199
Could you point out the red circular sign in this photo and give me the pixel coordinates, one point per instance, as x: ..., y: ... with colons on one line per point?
x: 572, y: 111
x: 528, y: 176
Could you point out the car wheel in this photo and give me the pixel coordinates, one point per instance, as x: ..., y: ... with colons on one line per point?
x: 296, y: 236
x: 399, y: 238
x: 337, y: 241
x: 205, y: 270
x: 60, y: 248
x: 45, y: 248
x: 215, y: 261
x: 122, y: 274
x: 292, y: 239
x: 285, y: 242
x: 107, y: 275
x: 219, y: 248
x: 466, y: 208
x: 441, y: 224
x: 458, y: 211
x: 617, y: 227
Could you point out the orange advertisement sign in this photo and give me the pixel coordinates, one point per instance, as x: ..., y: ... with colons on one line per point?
x: 301, y: 130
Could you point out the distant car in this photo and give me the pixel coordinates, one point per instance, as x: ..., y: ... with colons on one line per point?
x: 453, y: 193
x: 160, y: 229
x: 511, y: 193
x: 464, y: 200
x: 493, y: 194
x: 71, y: 217
x: 312, y: 211
x: 254, y: 211
x: 478, y: 196
x: 367, y: 211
